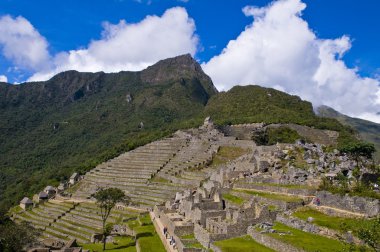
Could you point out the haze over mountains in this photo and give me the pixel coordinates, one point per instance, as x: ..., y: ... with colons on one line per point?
x: 76, y: 120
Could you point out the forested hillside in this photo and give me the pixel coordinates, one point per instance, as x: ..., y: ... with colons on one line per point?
x: 76, y: 120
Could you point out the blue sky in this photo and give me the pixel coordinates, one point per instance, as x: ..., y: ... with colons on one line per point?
x: 71, y: 24
x: 61, y: 26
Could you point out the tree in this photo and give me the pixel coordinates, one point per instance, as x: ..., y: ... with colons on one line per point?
x: 358, y: 150
x: 14, y: 237
x: 106, y: 199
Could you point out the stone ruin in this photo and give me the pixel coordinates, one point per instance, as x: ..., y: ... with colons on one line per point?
x: 204, y: 213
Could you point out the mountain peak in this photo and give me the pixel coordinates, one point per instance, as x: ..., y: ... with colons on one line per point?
x: 172, y: 69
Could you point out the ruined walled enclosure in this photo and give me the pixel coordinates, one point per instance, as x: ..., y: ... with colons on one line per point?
x: 210, y: 184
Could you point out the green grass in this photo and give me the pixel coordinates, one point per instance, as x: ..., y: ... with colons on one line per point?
x: 159, y: 180
x: 151, y: 243
x: 290, y: 186
x: 226, y: 154
x: 245, y: 243
x: 15, y: 210
x: 146, y: 235
x: 193, y: 244
x: 335, y: 223
x: 189, y: 236
x: 145, y: 219
x: 307, y: 241
x: 281, y: 197
x: 122, y: 244
x: 234, y: 199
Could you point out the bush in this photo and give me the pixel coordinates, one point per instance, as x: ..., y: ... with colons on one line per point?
x: 273, y: 135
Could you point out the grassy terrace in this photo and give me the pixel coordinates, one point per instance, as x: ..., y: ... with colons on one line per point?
x: 226, y: 154
x: 233, y: 199
x: 274, y: 196
x: 308, y: 241
x: 336, y: 223
x: 122, y: 243
x: 244, y: 243
x: 145, y: 234
x: 290, y: 186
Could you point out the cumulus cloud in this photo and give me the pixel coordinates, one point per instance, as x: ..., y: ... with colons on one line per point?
x: 3, y: 78
x: 22, y: 44
x: 130, y: 46
x: 279, y: 50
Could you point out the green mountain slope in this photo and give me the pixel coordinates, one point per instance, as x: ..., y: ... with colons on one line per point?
x: 368, y: 131
x: 77, y: 120
x: 245, y: 104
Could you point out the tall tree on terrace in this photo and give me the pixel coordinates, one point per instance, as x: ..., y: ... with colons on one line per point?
x: 106, y: 199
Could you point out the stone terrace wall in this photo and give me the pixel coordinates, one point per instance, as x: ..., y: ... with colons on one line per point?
x: 206, y: 238
x: 271, y: 242
x: 367, y: 206
x: 314, y: 229
x: 277, y: 189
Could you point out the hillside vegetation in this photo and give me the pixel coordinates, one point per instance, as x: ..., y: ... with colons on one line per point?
x: 368, y: 131
x: 77, y: 120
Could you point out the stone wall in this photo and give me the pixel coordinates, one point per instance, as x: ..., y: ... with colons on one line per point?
x: 314, y: 229
x: 280, y: 204
x: 206, y: 238
x: 277, y: 189
x: 201, y: 216
x: 271, y: 242
x: 366, y: 206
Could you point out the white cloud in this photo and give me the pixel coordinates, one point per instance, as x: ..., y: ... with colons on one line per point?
x: 3, y: 78
x: 21, y: 43
x: 279, y: 50
x: 131, y: 46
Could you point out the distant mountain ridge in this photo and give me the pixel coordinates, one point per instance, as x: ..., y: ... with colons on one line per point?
x: 367, y: 130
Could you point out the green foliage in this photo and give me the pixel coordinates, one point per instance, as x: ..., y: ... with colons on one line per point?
x: 370, y: 234
x: 344, y: 187
x: 13, y: 237
x: 273, y: 135
x: 244, y: 243
x: 336, y: 223
x: 106, y: 199
x: 282, y: 135
x: 368, y: 131
x: 49, y: 131
x: 359, y: 149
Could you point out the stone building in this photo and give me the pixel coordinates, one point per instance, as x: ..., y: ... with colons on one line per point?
x: 50, y: 191
x: 74, y: 178
x: 203, y: 212
x: 26, y: 203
